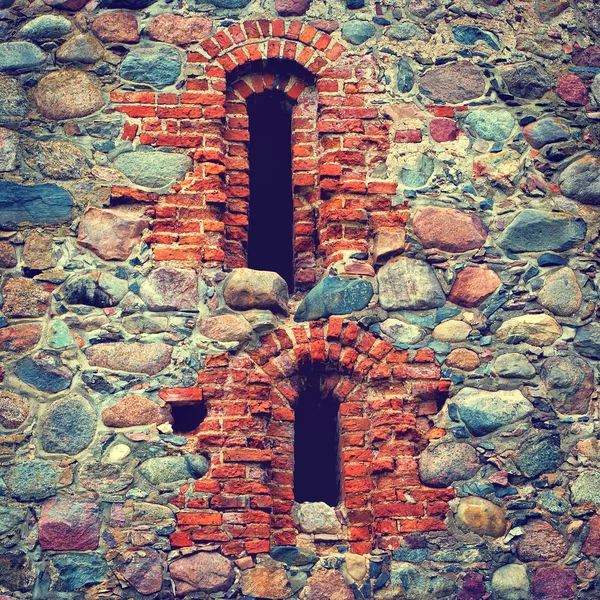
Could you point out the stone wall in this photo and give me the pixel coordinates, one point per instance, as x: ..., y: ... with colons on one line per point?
x: 445, y: 178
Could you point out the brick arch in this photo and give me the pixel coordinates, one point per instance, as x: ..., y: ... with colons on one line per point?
x: 345, y: 202
x: 387, y: 397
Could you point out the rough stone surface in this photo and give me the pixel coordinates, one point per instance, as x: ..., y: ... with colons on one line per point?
x: 540, y: 541
x: 463, y: 359
x: 288, y: 8
x: 483, y: 412
x: 68, y: 523
x: 266, y: 582
x: 327, y: 585
x: 13, y: 101
x: 19, y: 338
x: 226, y: 328
x: 561, y: 293
x: 24, y: 298
x: 473, y: 285
x: 150, y: 358
x: 31, y: 481
x: 510, y: 582
x: 569, y: 381
x: 44, y: 371
x: 586, y: 488
x: 44, y: 204
x: 481, y: 517
x: 513, y: 365
x: 546, y: 131
x: 527, y: 80
x: 68, y: 95
x: 159, y: 66
x: 572, y: 90
x: 537, y: 330
x: 541, y: 456
x: 173, y: 468
x: 112, y: 234
x: 580, y: 180
x: 142, y: 569
x: 334, y: 296
x: 554, y: 583
x: 454, y: 83
x: 20, y: 56
x: 168, y: 288
x: 246, y: 289
x: 537, y: 231
x: 83, y: 49
x: 118, y: 26
x: 37, y: 252
x: 95, y: 289
x: 448, y: 462
x: 153, y: 169
x: 9, y: 143
x: 132, y: 411
x: 452, y: 331
x: 406, y: 283
x: 316, y: 517
x: 448, y: 229
x: 68, y: 426
x: 14, y: 410
x: 492, y: 125
x: 206, y: 572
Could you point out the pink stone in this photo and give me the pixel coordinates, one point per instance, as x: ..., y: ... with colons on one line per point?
x: 206, y: 572
x: 448, y: 229
x: 325, y: 25
x: 24, y: 298
x: 288, y: 8
x: 443, y: 130
x: 590, y: 57
x: 592, y: 542
x: 67, y: 4
x: 572, y: 90
x: 69, y: 523
x: 473, y: 587
x: 112, y: 233
x: 135, y: 410
x: 473, y: 285
x: 175, y: 29
x: 117, y: 27
x: 20, y: 338
x: 541, y: 542
x: 142, y: 569
x: 327, y: 585
x: 554, y: 583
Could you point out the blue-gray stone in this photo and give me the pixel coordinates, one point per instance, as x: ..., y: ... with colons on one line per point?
x: 13, y: 101
x: 546, y: 131
x: 581, y: 180
x: 44, y: 204
x: 153, y: 169
x: 411, y: 582
x: 527, y: 80
x: 132, y: 4
x: 406, y: 77
x: 44, y: 371
x: 492, y: 125
x: 20, y: 56
x: 358, y: 32
x: 407, y: 30
x: 537, y: 231
x: 413, y: 555
x: 68, y: 427
x: 354, y: 4
x: 550, y: 260
x: 416, y: 171
x: 46, y: 27
x: 541, y: 456
x: 553, y: 503
x: 224, y: 3
x: 587, y: 341
x: 293, y: 556
x: 78, y: 570
x: 94, y: 289
x: 32, y: 481
x: 469, y: 36
x: 10, y: 517
x: 168, y: 469
x: 159, y: 65
x: 334, y: 296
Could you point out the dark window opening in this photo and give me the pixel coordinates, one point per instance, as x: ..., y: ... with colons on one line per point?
x: 270, y: 239
x: 187, y: 417
x: 316, y: 446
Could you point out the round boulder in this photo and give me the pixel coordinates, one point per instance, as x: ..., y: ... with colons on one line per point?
x: 206, y: 572
x: 480, y: 516
x: 14, y: 410
x: 448, y: 462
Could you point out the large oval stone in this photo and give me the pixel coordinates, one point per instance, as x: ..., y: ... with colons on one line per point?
x: 44, y: 371
x: 46, y: 27
x: 448, y: 229
x: 20, y: 338
x: 290, y: 8
x: 546, y: 131
x: 561, y: 293
x: 334, y: 296
x: 581, y: 180
x: 481, y: 517
x: 20, y: 56
x: 142, y: 569
x: 540, y: 542
x: 167, y: 469
x: 175, y: 29
x: 473, y: 285
x: 246, y: 289
x: 358, y: 32
x: 43, y: 204
x: 483, y: 411
x: 31, y: 481
x: 537, y: 330
x: 83, y: 48
x: 158, y: 65
x: 453, y: 83
x: 132, y: 411
x: 118, y: 26
x: 537, y: 231
x: 112, y: 233
x: 69, y: 523
x: 554, y: 583
x: 569, y: 381
x: 540, y: 456
x: 168, y: 288
x: 513, y: 365
x: 226, y: 328
x: 448, y: 462
x: 132, y: 357
x: 153, y: 169
x: 206, y: 572
x: 586, y: 488
x: 511, y: 583
x: 68, y: 94
x: 527, y: 80
x: 406, y: 283
x: 68, y: 427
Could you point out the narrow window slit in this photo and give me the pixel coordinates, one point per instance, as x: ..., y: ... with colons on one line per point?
x: 316, y: 446
x: 270, y: 237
